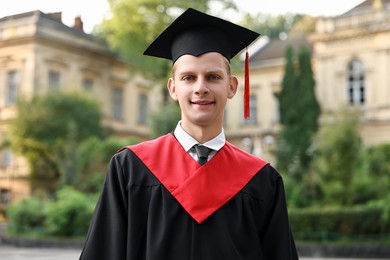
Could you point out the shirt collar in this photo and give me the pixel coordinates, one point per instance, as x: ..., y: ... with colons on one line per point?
x: 188, y: 141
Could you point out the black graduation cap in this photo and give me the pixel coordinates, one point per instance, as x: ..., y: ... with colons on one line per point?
x: 196, y: 33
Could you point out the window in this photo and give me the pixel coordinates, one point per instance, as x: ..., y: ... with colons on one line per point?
x: 142, y: 108
x: 117, y: 103
x: 252, y: 111
x: 277, y: 112
x: 12, y: 87
x: 356, y: 91
x: 88, y: 85
x: 6, y: 157
x: 54, y: 80
x: 4, y: 196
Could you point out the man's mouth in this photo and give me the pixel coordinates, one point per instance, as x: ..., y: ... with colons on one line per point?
x: 202, y: 102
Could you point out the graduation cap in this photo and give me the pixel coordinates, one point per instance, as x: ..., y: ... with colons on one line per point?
x: 196, y: 33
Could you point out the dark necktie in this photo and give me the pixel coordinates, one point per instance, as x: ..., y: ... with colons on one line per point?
x: 202, y: 152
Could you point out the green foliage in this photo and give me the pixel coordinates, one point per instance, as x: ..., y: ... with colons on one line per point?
x: 166, y: 119
x: 295, y: 193
x: 69, y: 214
x: 45, y: 118
x: 26, y: 216
x: 288, y: 115
x: 378, y: 158
x: 334, y: 223
x: 49, y: 129
x: 134, y: 24
x: 93, y: 156
x: 343, y: 171
x: 337, y: 152
x: 372, y: 180
x: 299, y: 112
x: 293, y: 25
x: 303, y: 25
x: 307, y: 106
x: 384, y: 204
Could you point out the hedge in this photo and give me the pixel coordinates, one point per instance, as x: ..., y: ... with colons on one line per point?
x: 355, y: 222
x: 66, y: 216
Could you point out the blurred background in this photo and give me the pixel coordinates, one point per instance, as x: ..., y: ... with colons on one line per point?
x: 75, y: 88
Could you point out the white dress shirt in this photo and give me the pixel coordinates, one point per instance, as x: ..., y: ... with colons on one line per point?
x: 188, y: 142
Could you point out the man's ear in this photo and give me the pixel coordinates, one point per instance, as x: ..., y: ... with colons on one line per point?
x: 233, y: 85
x: 172, y: 89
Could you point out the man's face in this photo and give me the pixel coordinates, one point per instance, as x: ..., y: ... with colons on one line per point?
x: 202, y: 86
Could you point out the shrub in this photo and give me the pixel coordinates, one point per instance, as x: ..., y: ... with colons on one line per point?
x: 346, y: 222
x: 69, y: 214
x: 26, y: 216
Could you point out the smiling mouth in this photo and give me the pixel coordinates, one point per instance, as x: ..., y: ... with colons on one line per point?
x: 202, y: 103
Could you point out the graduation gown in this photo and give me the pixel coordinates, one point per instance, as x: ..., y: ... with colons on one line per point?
x: 158, y: 203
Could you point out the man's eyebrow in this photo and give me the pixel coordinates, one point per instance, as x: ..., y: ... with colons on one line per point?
x: 185, y: 72
x: 189, y: 71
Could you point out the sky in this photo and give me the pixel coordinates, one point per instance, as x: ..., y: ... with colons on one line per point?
x: 93, y: 11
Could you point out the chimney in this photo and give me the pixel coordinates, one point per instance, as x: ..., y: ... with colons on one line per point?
x: 57, y: 16
x: 78, y: 23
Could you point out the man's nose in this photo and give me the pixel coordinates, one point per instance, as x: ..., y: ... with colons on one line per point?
x: 201, y: 86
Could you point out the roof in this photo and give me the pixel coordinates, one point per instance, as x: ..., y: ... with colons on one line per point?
x: 367, y: 6
x: 49, y: 22
x: 275, y: 48
x: 54, y: 19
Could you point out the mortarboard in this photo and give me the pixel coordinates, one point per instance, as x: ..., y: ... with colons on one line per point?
x: 196, y: 33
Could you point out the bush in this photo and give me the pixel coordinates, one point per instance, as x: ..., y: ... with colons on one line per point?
x: 26, y: 216
x: 93, y: 157
x: 346, y: 222
x: 69, y: 214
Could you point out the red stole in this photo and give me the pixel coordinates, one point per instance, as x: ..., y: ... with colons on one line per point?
x: 201, y: 190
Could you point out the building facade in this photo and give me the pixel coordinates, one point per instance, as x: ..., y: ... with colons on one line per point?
x: 38, y: 54
x: 351, y: 66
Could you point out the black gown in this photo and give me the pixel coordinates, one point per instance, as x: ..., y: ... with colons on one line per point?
x: 157, y: 203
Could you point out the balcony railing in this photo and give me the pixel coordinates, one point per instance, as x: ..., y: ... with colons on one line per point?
x: 345, y: 22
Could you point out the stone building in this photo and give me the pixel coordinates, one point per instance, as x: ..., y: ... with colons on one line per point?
x: 351, y: 65
x: 38, y: 53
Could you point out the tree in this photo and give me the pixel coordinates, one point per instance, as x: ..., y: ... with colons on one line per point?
x: 134, y: 24
x: 303, y: 25
x: 49, y: 129
x: 309, y: 107
x: 299, y: 112
x: 166, y: 119
x: 93, y: 157
x: 291, y: 25
x: 288, y: 116
x: 337, y: 150
x: 287, y: 95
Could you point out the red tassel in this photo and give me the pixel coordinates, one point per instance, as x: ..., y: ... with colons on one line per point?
x: 246, y: 87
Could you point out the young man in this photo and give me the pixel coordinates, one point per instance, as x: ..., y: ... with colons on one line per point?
x: 159, y: 202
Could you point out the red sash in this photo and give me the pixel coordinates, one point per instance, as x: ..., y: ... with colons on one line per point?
x: 201, y: 190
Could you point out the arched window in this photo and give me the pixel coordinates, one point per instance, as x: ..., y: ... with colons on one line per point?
x: 356, y: 91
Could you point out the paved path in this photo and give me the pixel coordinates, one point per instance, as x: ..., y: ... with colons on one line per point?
x: 17, y: 253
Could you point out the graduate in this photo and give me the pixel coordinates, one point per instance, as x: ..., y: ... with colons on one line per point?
x: 190, y: 194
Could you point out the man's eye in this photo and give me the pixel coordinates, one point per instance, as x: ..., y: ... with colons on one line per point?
x: 214, y: 77
x: 188, y: 78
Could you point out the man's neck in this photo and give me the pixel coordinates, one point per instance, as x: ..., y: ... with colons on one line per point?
x: 202, y: 133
